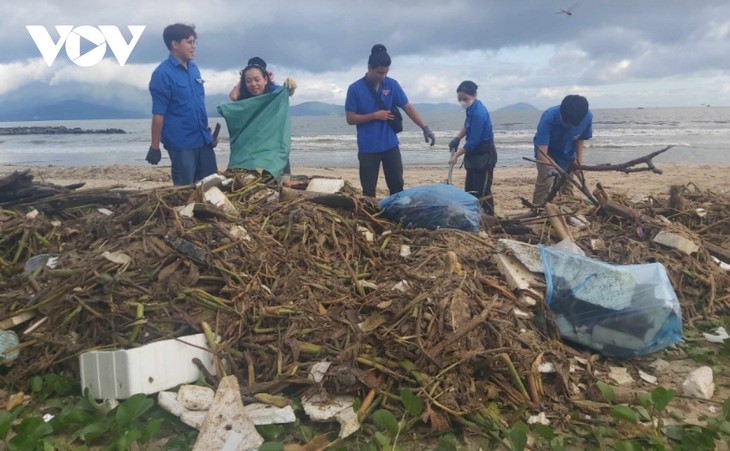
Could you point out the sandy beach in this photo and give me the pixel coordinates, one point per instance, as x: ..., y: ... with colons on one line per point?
x: 510, y: 183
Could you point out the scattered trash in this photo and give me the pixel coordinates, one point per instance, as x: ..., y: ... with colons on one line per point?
x: 405, y: 250
x: 699, y: 383
x: 675, y: 241
x: 195, y: 397
x: 8, y: 346
x: 540, y: 418
x: 39, y: 260
x: 719, y: 335
x: 620, y: 375
x: 105, y: 211
x: 147, y: 369
x: 327, y: 186
x: 659, y: 365
x: 433, y: 207
x: 527, y: 254
x: 337, y: 408
x: 401, y: 286
x: 32, y: 214
x: 620, y: 311
x: 647, y: 378
x: 215, y: 196
x: 227, y: 426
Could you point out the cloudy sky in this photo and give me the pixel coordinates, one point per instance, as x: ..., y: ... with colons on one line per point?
x: 619, y: 53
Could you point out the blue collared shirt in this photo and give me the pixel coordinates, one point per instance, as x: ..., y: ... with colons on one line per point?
x: 375, y: 136
x: 179, y: 96
x: 478, y: 125
x: 560, y: 139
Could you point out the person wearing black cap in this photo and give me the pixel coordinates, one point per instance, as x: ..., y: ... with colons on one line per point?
x: 480, y: 155
x: 561, y: 133
x: 372, y: 105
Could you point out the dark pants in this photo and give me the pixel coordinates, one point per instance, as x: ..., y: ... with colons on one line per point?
x: 370, y: 169
x: 479, y: 184
x: 189, y: 166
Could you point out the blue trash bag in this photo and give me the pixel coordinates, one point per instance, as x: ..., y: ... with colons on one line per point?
x: 433, y: 207
x: 620, y: 311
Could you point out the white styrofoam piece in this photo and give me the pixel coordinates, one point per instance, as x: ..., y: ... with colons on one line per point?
x: 349, y: 424
x: 321, y: 408
x: 620, y: 375
x: 527, y: 254
x: 195, y: 397
x: 168, y: 401
x: 215, y: 196
x: 675, y: 241
x: 327, y: 186
x: 194, y: 418
x: 227, y: 425
x: 262, y: 414
x: 148, y: 369
x: 318, y: 370
x: 699, y: 383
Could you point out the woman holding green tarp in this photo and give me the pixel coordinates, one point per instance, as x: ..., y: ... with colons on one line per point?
x: 258, y: 125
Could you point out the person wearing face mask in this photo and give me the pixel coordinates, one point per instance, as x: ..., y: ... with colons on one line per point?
x: 480, y: 155
x: 560, y: 133
x: 369, y: 106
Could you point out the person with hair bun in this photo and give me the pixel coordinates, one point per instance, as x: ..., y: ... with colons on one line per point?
x: 480, y: 155
x: 257, y: 80
x: 372, y: 105
x: 561, y: 133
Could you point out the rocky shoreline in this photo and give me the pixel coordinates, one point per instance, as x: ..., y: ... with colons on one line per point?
x: 57, y: 130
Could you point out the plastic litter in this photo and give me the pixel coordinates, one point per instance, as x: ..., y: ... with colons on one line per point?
x: 618, y: 310
x: 8, y: 346
x: 433, y: 207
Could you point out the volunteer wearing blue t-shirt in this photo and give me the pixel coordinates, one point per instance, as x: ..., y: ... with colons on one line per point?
x: 480, y: 155
x: 179, y: 119
x: 369, y: 106
x: 560, y: 133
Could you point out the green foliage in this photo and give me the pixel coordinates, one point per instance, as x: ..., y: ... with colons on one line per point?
x: 387, y: 421
x: 81, y: 424
x: 412, y: 403
x: 606, y: 391
x: 517, y: 436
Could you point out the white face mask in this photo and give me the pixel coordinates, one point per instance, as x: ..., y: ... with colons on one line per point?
x: 466, y: 103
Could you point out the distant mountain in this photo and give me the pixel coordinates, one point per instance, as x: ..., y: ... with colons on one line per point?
x: 317, y: 109
x: 68, y: 110
x: 517, y: 107
x: 431, y: 108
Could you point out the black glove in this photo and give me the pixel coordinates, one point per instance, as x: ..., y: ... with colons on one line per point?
x: 454, y: 143
x: 153, y: 156
x: 552, y: 172
x: 428, y: 135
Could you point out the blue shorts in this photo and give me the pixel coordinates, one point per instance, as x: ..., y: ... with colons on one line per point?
x: 189, y: 166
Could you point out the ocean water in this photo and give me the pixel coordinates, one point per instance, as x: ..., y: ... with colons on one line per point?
x: 700, y: 134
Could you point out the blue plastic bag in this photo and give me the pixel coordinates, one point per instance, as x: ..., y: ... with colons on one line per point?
x: 433, y: 207
x: 619, y: 310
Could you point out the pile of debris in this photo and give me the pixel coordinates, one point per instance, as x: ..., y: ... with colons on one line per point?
x: 282, y: 285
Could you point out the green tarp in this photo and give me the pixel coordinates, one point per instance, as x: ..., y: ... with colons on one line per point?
x: 259, y: 131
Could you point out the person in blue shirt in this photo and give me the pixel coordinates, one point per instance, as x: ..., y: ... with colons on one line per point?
x: 480, y: 155
x: 561, y: 133
x: 179, y: 118
x: 369, y: 106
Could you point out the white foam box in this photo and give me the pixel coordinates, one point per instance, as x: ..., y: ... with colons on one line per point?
x: 326, y: 186
x: 148, y: 369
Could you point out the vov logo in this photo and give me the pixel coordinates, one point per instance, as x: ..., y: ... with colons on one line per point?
x: 71, y: 36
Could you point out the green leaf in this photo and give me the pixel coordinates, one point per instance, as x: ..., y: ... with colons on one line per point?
x: 644, y: 399
x: 381, y: 439
x: 270, y: 432
x: 30, y: 432
x: 132, y: 408
x: 517, y: 436
x: 625, y: 413
x: 628, y: 446
x: 643, y: 413
x: 271, y: 446
x: 36, y: 384
x: 606, y: 391
x: 387, y: 420
x: 150, y: 430
x: 6, y: 422
x: 412, y: 403
x: 447, y: 443
x: 92, y: 431
x: 662, y: 397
